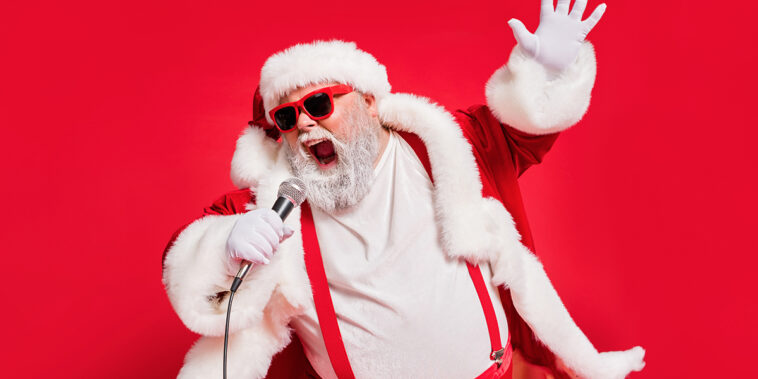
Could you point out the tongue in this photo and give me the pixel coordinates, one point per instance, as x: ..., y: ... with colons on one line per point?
x: 324, y: 149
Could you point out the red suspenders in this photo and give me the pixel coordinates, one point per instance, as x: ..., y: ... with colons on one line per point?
x: 327, y: 320
x: 325, y: 308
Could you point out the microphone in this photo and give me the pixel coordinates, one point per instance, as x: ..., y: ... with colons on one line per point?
x: 291, y: 194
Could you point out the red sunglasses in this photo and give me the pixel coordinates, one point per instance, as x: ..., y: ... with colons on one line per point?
x: 318, y: 105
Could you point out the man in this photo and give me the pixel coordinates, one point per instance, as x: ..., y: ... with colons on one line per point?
x: 407, y: 207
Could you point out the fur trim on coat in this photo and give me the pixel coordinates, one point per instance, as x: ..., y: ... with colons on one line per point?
x: 523, y: 94
x: 477, y: 229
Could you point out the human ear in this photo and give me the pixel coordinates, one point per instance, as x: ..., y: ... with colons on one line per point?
x: 371, y: 105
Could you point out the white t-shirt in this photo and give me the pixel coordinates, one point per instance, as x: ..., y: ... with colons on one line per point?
x: 404, y: 308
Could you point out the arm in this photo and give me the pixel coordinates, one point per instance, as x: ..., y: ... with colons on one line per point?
x: 503, y: 144
x: 197, y: 279
x: 544, y: 89
x: 199, y: 265
x: 545, y: 86
x: 195, y: 270
x: 535, y: 301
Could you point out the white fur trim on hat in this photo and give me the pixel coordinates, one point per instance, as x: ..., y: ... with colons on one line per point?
x: 317, y: 62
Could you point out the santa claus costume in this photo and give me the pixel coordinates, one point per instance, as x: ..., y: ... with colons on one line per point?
x: 472, y: 160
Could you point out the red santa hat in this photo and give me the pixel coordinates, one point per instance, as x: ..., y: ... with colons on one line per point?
x: 318, y: 62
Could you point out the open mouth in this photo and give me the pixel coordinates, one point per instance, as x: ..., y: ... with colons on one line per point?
x: 323, y: 151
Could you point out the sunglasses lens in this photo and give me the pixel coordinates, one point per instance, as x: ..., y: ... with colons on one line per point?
x: 318, y: 105
x: 286, y: 118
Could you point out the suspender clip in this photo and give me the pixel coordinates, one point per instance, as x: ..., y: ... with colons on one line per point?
x: 497, y: 356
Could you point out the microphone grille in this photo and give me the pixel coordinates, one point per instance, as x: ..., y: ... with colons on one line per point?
x: 293, y: 189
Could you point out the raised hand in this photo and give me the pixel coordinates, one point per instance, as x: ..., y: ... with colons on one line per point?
x: 555, y: 43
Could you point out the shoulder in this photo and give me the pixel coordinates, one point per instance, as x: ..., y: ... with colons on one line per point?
x: 479, y: 125
x: 231, y: 203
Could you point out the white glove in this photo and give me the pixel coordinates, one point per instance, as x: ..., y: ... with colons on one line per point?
x: 255, y: 237
x: 555, y: 43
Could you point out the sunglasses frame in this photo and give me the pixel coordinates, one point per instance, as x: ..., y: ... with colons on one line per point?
x: 339, y: 89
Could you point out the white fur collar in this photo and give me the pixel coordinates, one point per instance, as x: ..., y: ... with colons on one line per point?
x: 478, y: 229
x: 472, y: 227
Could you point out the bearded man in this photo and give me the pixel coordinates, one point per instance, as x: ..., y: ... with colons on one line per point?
x: 413, y: 226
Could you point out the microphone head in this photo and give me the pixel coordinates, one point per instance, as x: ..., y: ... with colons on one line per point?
x: 293, y: 189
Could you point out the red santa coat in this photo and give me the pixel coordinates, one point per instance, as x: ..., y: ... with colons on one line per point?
x: 475, y: 158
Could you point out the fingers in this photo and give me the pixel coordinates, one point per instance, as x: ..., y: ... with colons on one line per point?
x: 260, y: 247
x: 562, y: 7
x: 255, y: 237
x: 265, y: 244
x: 248, y: 251
x: 255, y: 249
x: 546, y: 6
x: 525, y: 39
x: 273, y: 219
x: 519, y: 30
x: 594, y: 18
x: 271, y: 236
x: 287, y: 233
x: 578, y: 10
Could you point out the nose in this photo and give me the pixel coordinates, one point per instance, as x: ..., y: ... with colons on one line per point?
x: 304, y: 122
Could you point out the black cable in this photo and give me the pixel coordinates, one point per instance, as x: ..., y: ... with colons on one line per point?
x: 235, y: 284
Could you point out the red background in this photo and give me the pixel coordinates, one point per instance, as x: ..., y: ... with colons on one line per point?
x: 119, y: 121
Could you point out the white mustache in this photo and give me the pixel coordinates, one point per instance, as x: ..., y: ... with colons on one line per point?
x: 348, y: 182
x: 318, y: 133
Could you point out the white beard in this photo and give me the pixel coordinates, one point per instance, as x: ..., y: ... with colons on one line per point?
x: 347, y: 183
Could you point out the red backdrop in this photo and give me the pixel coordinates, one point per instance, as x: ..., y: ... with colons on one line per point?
x: 119, y: 121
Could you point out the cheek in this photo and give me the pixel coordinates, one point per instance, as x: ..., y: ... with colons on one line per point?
x: 291, y: 140
x: 337, y: 125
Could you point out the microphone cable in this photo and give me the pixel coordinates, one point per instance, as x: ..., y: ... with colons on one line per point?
x: 235, y: 284
x: 291, y: 195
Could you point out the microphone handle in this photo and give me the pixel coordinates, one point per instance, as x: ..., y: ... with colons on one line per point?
x: 283, y: 207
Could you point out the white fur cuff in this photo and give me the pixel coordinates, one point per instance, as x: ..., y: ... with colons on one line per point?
x: 523, y: 95
x: 195, y: 273
x: 250, y: 353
